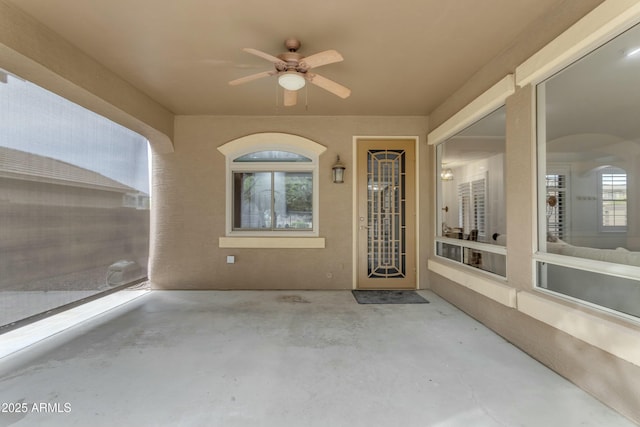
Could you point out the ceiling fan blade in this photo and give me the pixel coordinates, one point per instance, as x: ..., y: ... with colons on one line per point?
x: 263, y: 55
x: 326, y: 84
x: 321, y: 58
x: 290, y: 97
x: 251, y: 78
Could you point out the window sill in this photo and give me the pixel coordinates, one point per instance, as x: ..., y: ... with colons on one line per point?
x: 272, y: 242
x: 614, y: 337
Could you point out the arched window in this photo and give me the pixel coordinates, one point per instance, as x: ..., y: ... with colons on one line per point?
x: 272, y: 185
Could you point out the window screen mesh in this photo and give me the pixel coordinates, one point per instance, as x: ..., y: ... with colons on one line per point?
x: 74, y: 202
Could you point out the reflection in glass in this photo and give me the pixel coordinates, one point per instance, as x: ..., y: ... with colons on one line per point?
x: 590, y: 136
x: 273, y: 200
x: 616, y: 293
x: 589, y: 142
x: 271, y: 156
x: 471, y: 184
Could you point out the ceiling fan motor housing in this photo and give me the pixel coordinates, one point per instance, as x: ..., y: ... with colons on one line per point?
x: 292, y: 45
x: 293, y: 61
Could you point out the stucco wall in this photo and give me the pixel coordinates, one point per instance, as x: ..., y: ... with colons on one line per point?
x: 189, y: 205
x: 609, y: 378
x: 614, y: 380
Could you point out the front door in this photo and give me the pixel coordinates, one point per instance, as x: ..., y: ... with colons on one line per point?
x: 386, y: 214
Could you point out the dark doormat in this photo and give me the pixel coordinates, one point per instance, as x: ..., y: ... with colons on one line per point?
x: 388, y: 297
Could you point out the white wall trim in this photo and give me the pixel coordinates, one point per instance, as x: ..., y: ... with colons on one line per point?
x: 274, y: 141
x: 609, y: 336
x: 499, y: 292
x: 490, y: 100
x: 599, y: 26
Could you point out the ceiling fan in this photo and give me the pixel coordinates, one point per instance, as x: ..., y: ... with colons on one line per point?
x: 294, y: 70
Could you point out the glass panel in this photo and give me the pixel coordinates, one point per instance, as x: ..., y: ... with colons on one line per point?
x: 590, y: 137
x: 486, y: 261
x: 293, y: 197
x: 252, y: 200
x: 471, y: 182
x: 483, y: 260
x: 272, y: 156
x: 386, y: 215
x: 446, y: 250
x: 273, y: 200
x: 74, y: 202
x: 607, y: 291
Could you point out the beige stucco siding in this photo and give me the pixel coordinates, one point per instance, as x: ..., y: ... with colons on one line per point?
x: 189, y: 205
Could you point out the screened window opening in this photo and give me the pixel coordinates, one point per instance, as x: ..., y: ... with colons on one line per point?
x: 588, y: 136
x: 74, y: 203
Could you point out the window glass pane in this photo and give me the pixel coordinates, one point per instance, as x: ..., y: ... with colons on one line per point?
x: 294, y: 200
x: 616, y: 293
x: 74, y: 202
x: 471, y: 182
x: 589, y: 139
x: 590, y: 135
x: 272, y: 156
x: 273, y: 200
x: 252, y: 200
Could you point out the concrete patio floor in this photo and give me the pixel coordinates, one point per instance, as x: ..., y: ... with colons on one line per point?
x: 286, y: 358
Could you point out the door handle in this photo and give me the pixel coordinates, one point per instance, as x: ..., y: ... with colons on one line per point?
x: 364, y: 227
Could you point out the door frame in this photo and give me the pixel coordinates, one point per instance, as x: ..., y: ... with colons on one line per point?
x: 354, y: 198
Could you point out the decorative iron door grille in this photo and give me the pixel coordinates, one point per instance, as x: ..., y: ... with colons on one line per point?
x: 386, y: 214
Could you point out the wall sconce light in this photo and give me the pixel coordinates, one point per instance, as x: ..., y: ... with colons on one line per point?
x: 338, y: 171
x: 446, y: 174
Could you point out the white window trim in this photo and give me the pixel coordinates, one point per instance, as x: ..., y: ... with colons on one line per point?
x: 602, y: 24
x: 271, y: 141
x: 489, y: 101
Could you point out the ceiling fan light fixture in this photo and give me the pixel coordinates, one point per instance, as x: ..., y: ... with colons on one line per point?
x: 291, y: 80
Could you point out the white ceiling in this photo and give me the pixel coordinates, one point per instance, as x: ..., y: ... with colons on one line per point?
x: 402, y: 57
